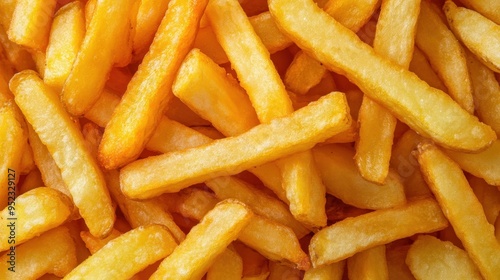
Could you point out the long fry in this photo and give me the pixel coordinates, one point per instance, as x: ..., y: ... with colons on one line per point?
x: 421, y: 107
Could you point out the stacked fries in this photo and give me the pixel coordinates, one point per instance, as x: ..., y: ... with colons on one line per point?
x: 226, y: 139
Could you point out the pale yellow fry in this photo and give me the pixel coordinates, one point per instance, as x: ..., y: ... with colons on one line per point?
x: 41, y: 255
x: 461, y: 207
x: 79, y: 169
x: 352, y: 14
x: 486, y: 91
x: 31, y: 21
x: 66, y: 36
x: 485, y: 164
x: 228, y: 265
x: 430, y: 258
x: 478, y: 33
x: 347, y: 237
x: 422, y: 107
x: 489, y: 8
x: 33, y: 213
x: 342, y: 180
x: 445, y: 54
x: 284, y: 136
x: 394, y: 39
x: 149, y: 90
x: 101, y: 48
x: 134, y: 250
x: 205, y: 241
x: 333, y: 271
x: 420, y: 66
x: 368, y: 264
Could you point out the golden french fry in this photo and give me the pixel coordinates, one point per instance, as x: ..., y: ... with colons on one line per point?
x: 324, y: 118
x: 368, y: 264
x: 333, y: 271
x: 445, y: 54
x: 40, y: 255
x: 431, y: 258
x: 66, y: 36
x: 149, y: 16
x: 79, y: 170
x: 398, y: 270
x: 228, y: 265
x: 31, y: 181
x: 30, y: 24
x: 149, y: 90
x: 303, y: 73
x: 351, y: 14
x: 94, y: 244
x: 207, y: 240
x: 488, y: 196
x: 272, y: 38
x: 347, y: 237
x: 420, y: 66
x: 342, y: 180
x: 461, y: 207
x: 207, y: 42
x: 489, y: 8
x: 147, y: 245
x: 108, y: 26
x: 422, y: 107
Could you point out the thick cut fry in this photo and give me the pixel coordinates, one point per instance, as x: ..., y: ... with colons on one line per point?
x: 228, y: 265
x: 489, y: 8
x: 394, y: 39
x: 207, y: 240
x: 430, y: 258
x: 462, y: 209
x: 284, y: 136
x: 79, y: 169
x: 351, y: 14
x: 445, y: 54
x: 149, y: 17
x: 485, y: 164
x: 102, y: 47
x: 150, y: 90
x: 41, y: 255
x: 486, y: 91
x: 478, y: 33
x: 66, y: 36
x: 31, y: 21
x: 33, y: 213
x: 146, y: 244
x: 303, y: 73
x: 265, y: 27
x: 347, y: 237
x: 421, y: 107
x: 420, y: 66
x: 368, y: 264
x: 334, y: 271
x: 342, y: 180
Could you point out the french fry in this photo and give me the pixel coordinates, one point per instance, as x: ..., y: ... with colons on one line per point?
x: 488, y: 196
x: 94, y: 244
x: 147, y: 245
x: 228, y: 265
x: 422, y: 107
x: 149, y: 16
x: 33, y: 213
x: 17, y: 55
x: 334, y: 271
x: 485, y: 164
x: 396, y: 26
x: 207, y: 42
x: 325, y: 118
x: 347, y: 237
x: 269, y: 33
x: 431, y: 258
x: 31, y: 181
x: 66, y: 36
x: 30, y: 24
x: 368, y: 264
x: 445, y: 54
x: 27, y: 163
x: 149, y: 90
x: 207, y: 240
x: 474, y: 30
x: 398, y: 270
x: 420, y: 66
x: 79, y: 170
x: 489, y: 8
x: 462, y: 209
x: 303, y: 73
x: 351, y: 14
x: 342, y: 180
x: 41, y: 255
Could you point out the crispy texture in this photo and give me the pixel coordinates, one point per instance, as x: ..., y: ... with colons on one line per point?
x: 334, y: 271
x: 66, y: 36
x: 100, y: 49
x: 422, y: 107
x: 461, y: 207
x: 489, y: 8
x: 283, y: 136
x: 147, y: 245
x: 228, y: 265
x: 41, y: 255
x: 207, y: 240
x: 368, y: 264
x: 431, y: 258
x: 478, y: 33
x: 342, y: 180
x: 347, y: 237
x: 149, y: 90
x: 79, y: 169
x: 351, y: 14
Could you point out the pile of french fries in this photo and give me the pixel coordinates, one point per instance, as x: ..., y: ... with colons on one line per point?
x: 250, y: 139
